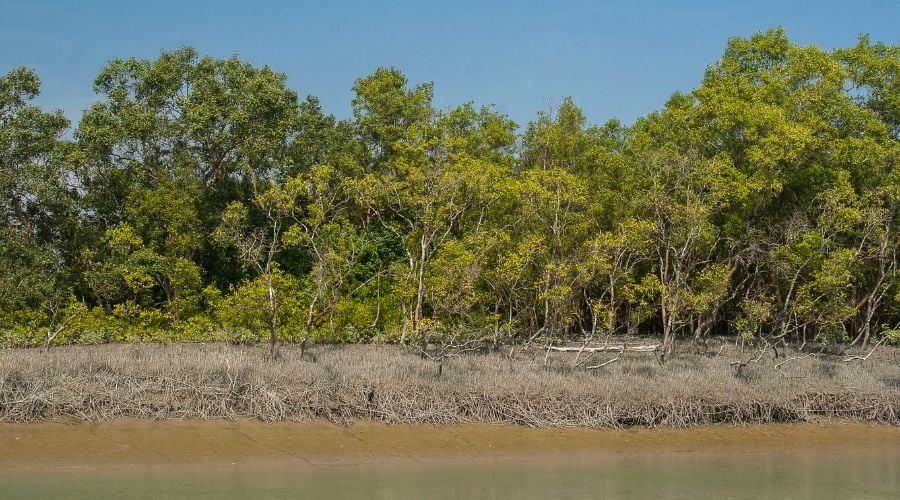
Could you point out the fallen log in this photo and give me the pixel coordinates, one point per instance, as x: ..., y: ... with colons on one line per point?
x: 607, y: 348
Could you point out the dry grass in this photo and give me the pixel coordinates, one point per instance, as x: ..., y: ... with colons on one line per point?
x: 383, y: 383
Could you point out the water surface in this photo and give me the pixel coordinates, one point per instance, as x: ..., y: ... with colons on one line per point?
x: 318, y: 460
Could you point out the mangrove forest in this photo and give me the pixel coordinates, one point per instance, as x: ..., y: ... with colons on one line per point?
x: 203, y: 199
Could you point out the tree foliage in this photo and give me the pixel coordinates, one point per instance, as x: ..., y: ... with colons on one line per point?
x: 200, y: 194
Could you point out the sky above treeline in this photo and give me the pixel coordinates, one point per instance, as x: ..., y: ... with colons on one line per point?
x: 618, y: 59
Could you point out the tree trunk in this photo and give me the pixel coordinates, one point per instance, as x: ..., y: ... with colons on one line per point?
x: 420, y: 287
x: 273, y: 318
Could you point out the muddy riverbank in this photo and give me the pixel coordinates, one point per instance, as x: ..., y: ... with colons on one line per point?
x: 128, y: 443
x: 239, y: 459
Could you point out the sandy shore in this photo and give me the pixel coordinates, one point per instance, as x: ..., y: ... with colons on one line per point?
x: 129, y: 443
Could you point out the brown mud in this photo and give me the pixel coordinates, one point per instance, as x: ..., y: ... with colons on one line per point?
x: 129, y: 443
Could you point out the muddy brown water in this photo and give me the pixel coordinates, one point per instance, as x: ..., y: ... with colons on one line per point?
x: 250, y: 459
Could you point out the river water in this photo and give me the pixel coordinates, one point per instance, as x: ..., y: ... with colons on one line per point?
x: 317, y: 460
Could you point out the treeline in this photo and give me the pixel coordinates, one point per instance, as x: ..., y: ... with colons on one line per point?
x: 201, y: 198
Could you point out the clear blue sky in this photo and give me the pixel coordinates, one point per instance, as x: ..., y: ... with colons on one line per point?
x: 617, y: 59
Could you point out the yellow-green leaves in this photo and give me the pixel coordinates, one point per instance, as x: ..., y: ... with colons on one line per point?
x: 201, y: 191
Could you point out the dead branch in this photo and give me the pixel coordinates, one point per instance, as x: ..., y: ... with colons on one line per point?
x: 742, y: 364
x: 51, y: 334
x: 792, y: 358
x: 633, y: 348
x: 866, y: 357
x: 601, y: 365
